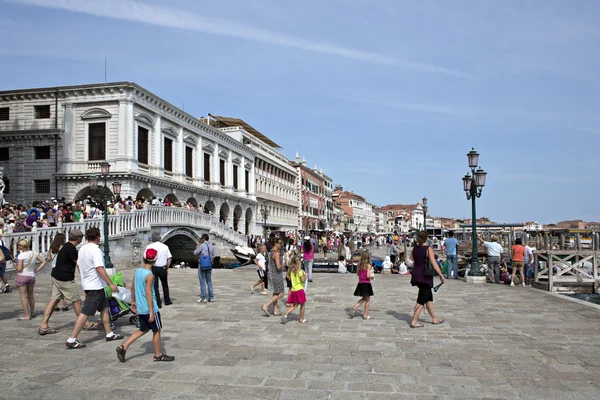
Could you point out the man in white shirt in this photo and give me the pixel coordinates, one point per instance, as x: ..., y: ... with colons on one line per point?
x: 494, y: 252
x: 93, y: 280
x: 529, y: 259
x: 160, y: 269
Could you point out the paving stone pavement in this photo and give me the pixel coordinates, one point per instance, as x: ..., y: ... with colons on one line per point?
x: 497, y: 342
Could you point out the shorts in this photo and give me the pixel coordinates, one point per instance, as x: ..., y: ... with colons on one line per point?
x: 2, y: 269
x: 146, y: 325
x: 65, y: 290
x: 518, y: 264
x: 24, y: 280
x: 95, y: 300
x: 261, y: 274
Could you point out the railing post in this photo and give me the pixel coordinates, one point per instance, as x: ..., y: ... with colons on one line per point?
x: 550, y: 272
x: 536, y: 265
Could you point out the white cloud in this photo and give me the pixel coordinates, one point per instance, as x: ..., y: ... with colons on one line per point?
x: 172, y: 18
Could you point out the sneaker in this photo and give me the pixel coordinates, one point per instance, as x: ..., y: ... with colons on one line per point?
x: 75, y: 345
x: 523, y: 284
x: 284, y: 318
x: 512, y: 284
x: 164, y: 357
x: 114, y: 336
x: 201, y: 301
x: 211, y: 300
x: 7, y: 288
x: 121, y: 353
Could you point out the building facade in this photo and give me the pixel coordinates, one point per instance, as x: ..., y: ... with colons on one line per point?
x: 312, y: 208
x: 154, y: 148
x: 356, y: 206
x: 275, y: 178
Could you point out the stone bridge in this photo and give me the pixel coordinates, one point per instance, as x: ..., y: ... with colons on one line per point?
x: 130, y: 232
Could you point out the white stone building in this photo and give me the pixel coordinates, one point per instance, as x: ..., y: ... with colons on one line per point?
x: 276, y: 185
x: 154, y: 148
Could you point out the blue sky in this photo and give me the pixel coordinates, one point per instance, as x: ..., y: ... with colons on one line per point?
x: 387, y: 97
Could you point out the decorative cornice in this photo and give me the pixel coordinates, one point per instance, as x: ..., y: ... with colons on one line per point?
x: 144, y: 118
x: 27, y: 135
x: 157, y: 181
x: 96, y: 113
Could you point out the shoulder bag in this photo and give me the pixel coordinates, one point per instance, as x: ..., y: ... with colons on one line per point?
x: 429, y: 270
x: 206, y: 260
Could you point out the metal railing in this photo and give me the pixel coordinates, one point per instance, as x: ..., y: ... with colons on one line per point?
x: 128, y: 224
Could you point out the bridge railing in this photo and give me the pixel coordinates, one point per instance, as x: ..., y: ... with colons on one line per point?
x: 128, y: 224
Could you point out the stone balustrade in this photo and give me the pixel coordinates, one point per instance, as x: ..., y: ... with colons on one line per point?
x: 130, y: 224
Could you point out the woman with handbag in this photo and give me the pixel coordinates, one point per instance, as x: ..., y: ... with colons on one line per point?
x: 425, y: 268
x: 276, y: 285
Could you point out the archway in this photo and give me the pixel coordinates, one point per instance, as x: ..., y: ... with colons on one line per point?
x: 145, y: 193
x: 192, y: 201
x: 237, y: 214
x: 224, y: 213
x: 248, y: 219
x: 98, y: 193
x: 209, y: 207
x: 181, y: 243
x: 171, y: 198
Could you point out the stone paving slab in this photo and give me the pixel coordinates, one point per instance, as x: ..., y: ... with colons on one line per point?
x: 497, y: 342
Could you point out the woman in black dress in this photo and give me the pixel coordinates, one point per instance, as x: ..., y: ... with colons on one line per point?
x: 425, y: 298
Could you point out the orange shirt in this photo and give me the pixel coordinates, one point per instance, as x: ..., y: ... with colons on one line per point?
x: 518, y: 253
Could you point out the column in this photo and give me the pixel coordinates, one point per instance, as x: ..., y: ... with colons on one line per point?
x: 122, y: 129
x: 156, y: 156
x: 179, y: 161
x: 242, y: 179
x: 70, y: 137
x: 216, y: 176
x: 229, y: 176
x: 252, y: 181
x: 199, y: 164
x: 129, y: 122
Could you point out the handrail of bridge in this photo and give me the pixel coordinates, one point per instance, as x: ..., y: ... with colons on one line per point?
x: 129, y: 224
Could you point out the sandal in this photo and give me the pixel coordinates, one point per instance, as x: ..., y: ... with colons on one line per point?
x: 439, y: 321
x: 65, y: 309
x: 121, y: 353
x: 266, y: 311
x: 23, y: 319
x: 417, y: 326
x: 303, y: 321
x: 92, y: 326
x: 164, y: 357
x: 369, y: 317
x: 47, y: 331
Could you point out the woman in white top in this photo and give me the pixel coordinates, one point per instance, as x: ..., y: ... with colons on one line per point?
x: 25, y: 279
x: 59, y: 240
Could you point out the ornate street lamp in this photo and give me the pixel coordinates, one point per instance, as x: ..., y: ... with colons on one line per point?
x: 425, y: 214
x: 105, y: 196
x: 473, y: 184
x: 264, y: 211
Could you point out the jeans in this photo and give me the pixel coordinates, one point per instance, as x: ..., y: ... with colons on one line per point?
x: 452, y: 265
x: 494, y: 268
x: 161, y: 273
x: 205, y: 281
x: 308, y: 264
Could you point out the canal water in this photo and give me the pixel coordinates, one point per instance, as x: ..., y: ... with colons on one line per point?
x: 592, y: 298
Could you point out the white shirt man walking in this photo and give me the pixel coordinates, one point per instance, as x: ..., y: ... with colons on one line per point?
x: 93, y: 280
x: 160, y: 269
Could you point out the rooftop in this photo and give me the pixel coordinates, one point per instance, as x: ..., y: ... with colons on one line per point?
x: 225, y: 122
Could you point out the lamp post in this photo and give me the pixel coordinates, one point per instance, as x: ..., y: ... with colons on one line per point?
x: 105, y: 196
x: 264, y: 211
x: 473, y: 184
x: 425, y: 214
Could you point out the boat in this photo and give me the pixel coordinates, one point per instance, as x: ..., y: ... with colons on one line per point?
x: 245, y: 255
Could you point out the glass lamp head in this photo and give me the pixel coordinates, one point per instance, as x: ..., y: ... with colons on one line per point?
x: 117, y: 188
x: 473, y: 157
x: 105, y: 168
x: 467, y: 180
x: 94, y: 182
x: 480, y: 177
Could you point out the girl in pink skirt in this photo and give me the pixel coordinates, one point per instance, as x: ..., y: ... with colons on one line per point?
x: 297, y: 297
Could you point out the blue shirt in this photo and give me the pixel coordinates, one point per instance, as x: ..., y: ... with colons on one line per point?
x: 451, y: 244
x: 139, y: 283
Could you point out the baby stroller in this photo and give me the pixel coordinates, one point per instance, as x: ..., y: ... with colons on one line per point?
x: 119, y: 304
